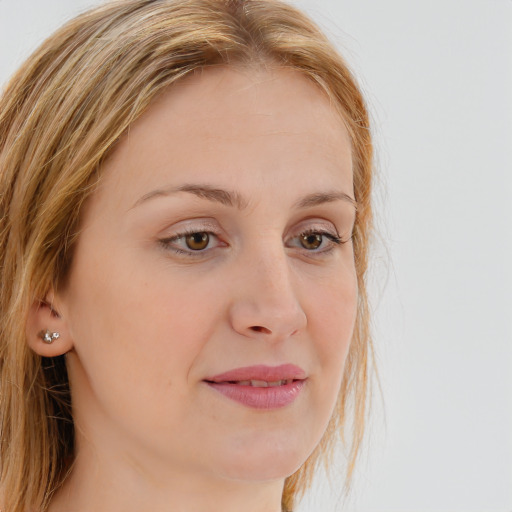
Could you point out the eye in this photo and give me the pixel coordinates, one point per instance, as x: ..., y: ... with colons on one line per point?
x: 197, y: 241
x: 311, y: 241
x: 191, y: 243
x: 316, y: 241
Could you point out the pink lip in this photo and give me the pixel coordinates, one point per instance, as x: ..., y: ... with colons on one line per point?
x: 271, y: 397
x: 261, y: 372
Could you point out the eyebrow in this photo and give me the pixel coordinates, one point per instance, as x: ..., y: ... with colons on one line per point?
x: 235, y: 199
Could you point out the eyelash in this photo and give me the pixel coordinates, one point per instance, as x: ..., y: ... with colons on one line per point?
x: 333, y: 240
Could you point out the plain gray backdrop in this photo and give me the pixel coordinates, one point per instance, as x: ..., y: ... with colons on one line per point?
x: 438, y: 79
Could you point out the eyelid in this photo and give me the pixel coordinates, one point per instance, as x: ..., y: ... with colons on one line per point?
x: 316, y: 224
x: 191, y: 225
x: 325, y: 227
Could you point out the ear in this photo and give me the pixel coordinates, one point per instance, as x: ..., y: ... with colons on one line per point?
x: 43, y: 317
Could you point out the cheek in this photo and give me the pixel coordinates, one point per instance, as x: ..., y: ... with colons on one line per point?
x: 332, y: 321
x: 332, y: 312
x: 137, y: 340
x: 129, y: 323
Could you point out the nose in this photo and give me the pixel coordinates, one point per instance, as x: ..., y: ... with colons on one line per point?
x: 266, y: 304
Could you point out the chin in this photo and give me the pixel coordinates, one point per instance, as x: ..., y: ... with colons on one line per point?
x: 269, y: 460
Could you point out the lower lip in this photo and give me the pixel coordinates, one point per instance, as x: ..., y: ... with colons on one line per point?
x: 272, y: 397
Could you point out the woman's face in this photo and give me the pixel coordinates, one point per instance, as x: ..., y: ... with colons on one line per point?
x: 219, y: 239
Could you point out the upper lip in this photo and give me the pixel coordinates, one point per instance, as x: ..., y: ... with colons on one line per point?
x: 261, y: 372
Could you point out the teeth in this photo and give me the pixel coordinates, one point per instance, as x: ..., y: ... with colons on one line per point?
x: 262, y: 383
x: 259, y: 383
x: 277, y: 383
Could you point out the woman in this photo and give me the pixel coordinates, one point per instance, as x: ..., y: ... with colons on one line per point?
x: 185, y: 205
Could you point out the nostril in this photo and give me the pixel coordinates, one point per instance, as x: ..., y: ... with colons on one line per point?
x: 259, y: 328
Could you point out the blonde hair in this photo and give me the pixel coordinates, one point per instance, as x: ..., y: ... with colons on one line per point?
x: 60, y: 116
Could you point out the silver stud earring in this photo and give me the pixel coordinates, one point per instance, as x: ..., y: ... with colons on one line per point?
x: 48, y: 336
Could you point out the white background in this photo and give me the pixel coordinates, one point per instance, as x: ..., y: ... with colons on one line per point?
x: 438, y: 78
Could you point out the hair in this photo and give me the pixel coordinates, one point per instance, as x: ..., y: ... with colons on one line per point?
x: 60, y: 116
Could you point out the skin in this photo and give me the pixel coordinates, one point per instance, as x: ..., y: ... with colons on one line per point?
x: 144, y: 325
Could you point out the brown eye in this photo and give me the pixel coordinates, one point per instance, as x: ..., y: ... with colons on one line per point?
x: 311, y: 241
x: 197, y: 241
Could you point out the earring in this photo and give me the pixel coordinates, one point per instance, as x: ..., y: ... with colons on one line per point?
x: 48, y: 337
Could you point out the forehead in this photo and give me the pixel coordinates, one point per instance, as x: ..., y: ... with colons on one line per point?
x: 266, y: 92
x: 248, y: 124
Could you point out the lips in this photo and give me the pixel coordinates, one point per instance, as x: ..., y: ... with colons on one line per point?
x: 261, y: 373
x: 260, y: 387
